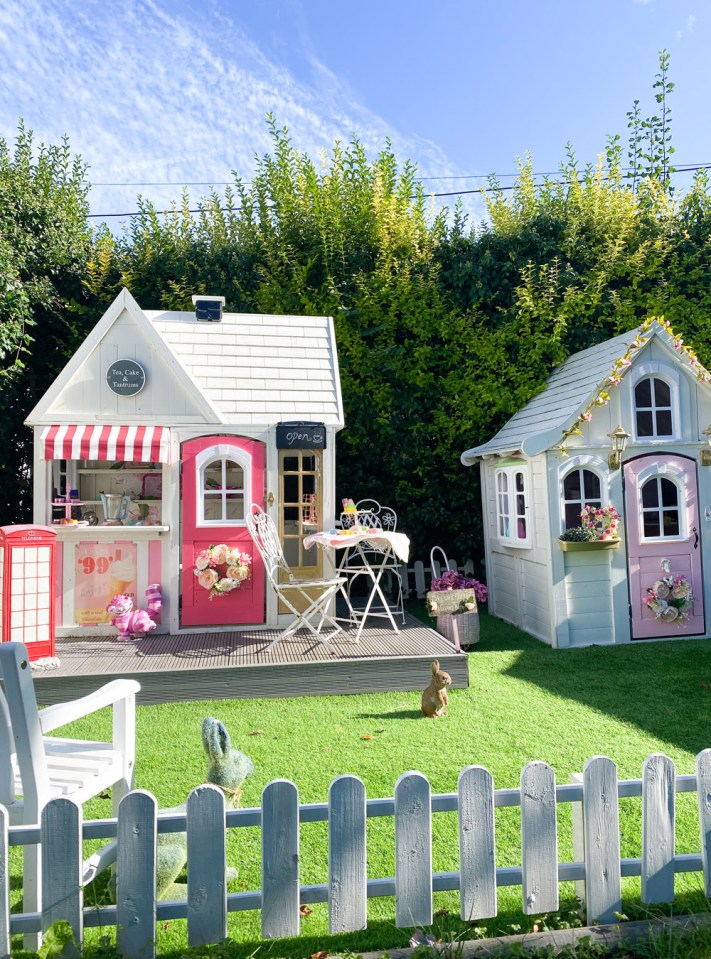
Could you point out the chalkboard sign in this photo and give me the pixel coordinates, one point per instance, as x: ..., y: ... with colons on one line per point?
x: 301, y: 436
x: 125, y: 377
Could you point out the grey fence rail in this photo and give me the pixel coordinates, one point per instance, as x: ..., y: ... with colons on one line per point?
x: 597, y: 869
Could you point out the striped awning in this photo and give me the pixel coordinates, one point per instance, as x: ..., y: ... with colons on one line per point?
x: 133, y: 444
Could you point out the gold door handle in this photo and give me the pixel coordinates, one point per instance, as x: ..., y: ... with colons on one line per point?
x: 270, y: 499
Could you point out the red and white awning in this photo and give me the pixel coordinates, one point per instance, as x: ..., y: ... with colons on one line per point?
x: 133, y: 444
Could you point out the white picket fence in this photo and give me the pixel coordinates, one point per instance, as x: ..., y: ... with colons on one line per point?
x: 597, y: 868
x: 418, y: 576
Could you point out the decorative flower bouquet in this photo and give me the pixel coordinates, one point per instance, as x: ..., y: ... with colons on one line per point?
x: 220, y: 569
x: 670, y: 598
x: 602, y: 520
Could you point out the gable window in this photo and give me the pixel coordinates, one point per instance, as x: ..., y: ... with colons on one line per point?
x: 661, y: 513
x: 653, y: 408
x: 512, y: 522
x: 581, y: 487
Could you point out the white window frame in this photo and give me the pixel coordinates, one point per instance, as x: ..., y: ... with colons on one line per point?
x: 224, y: 452
x: 506, y: 506
x: 660, y: 371
x: 584, y: 462
x: 679, y: 478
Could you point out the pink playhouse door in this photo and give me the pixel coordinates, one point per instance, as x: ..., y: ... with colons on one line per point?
x: 661, y: 506
x: 222, y: 477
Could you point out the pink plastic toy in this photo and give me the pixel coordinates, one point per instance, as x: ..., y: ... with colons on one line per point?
x: 130, y: 622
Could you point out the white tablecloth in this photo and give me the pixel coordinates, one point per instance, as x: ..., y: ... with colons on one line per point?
x: 399, y: 543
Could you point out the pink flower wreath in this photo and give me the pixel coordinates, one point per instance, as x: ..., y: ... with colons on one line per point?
x: 220, y: 569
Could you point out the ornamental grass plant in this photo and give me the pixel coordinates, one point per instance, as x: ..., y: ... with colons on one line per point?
x: 525, y: 702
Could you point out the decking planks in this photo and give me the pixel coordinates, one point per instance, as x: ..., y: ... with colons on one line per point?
x: 236, y: 665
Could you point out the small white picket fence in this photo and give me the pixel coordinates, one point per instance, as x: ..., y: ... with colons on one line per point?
x: 596, y: 846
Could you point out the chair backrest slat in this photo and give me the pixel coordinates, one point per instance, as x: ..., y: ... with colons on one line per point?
x: 26, y: 731
x: 264, y: 533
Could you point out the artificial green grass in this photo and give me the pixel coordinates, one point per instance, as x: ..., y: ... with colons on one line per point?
x: 525, y: 702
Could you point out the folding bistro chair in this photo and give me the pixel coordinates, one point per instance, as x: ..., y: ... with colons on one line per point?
x: 372, y: 515
x: 288, y: 588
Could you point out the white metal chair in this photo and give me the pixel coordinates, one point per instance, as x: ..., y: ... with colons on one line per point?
x: 288, y: 588
x: 35, y: 768
x: 370, y: 514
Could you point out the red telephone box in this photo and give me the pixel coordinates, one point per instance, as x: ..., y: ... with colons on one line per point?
x: 27, y: 572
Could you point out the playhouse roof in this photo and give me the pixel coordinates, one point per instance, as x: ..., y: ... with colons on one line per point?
x: 570, y: 389
x: 247, y: 370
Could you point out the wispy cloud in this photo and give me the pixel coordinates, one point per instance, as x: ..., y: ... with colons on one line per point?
x: 146, y: 95
x: 688, y: 26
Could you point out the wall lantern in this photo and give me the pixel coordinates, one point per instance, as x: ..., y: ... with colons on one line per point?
x: 706, y: 453
x: 619, y: 441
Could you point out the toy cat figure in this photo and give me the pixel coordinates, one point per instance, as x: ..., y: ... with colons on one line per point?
x: 130, y: 622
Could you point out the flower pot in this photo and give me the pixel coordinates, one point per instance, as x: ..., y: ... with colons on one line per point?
x: 569, y: 546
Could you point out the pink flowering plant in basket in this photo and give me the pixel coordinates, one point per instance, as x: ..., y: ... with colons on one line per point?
x: 453, y: 580
x: 603, y: 521
x: 220, y: 569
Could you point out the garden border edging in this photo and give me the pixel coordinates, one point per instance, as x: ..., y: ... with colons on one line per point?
x: 610, y: 936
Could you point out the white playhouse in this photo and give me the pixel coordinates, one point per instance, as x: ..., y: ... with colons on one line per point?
x: 626, y: 423
x: 156, y: 439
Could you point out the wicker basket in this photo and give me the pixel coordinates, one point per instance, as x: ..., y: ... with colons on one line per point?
x: 462, y: 629
x: 457, y: 619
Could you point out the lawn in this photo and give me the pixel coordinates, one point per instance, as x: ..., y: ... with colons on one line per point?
x: 525, y: 702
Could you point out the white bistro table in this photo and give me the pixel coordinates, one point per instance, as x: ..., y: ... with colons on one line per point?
x: 373, y: 564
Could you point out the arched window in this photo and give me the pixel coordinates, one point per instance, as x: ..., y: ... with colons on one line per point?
x: 512, y: 506
x: 581, y: 487
x: 221, y: 491
x: 653, y: 408
x: 661, y: 512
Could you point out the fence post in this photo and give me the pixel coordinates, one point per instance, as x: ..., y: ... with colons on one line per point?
x: 703, y: 795
x: 62, y: 894
x: 136, y: 876
x: 477, y: 856
x: 658, y: 829
x: 539, y: 839
x: 280, y: 859
x: 413, y: 851
x: 601, y: 829
x: 207, y: 863
x: 347, y: 860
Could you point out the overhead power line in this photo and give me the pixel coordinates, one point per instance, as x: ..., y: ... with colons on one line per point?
x: 482, y: 189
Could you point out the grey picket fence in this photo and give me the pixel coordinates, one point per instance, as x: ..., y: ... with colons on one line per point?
x: 597, y: 869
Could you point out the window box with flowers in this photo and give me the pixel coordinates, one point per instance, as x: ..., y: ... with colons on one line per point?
x: 453, y: 601
x: 598, y: 530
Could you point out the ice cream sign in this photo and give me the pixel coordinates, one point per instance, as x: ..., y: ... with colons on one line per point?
x: 125, y: 377
x: 101, y: 571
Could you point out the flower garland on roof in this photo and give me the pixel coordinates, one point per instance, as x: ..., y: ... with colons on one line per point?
x: 670, y: 598
x: 621, y: 364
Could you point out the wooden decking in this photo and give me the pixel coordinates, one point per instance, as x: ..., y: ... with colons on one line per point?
x: 234, y: 665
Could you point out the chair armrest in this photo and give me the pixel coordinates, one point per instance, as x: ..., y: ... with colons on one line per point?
x: 118, y: 690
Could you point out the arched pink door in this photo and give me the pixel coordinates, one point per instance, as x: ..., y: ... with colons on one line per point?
x: 222, y: 477
x: 662, y: 516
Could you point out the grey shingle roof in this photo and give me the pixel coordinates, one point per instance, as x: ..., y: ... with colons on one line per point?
x: 571, y: 387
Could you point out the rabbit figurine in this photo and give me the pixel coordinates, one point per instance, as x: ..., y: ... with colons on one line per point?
x: 434, y: 698
x: 227, y: 768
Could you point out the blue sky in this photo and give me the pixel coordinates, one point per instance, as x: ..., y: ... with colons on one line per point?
x: 174, y: 91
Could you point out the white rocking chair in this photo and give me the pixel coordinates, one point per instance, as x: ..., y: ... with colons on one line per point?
x: 35, y: 768
x: 291, y: 590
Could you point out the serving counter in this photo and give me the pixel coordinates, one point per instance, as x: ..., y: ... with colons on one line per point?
x: 96, y: 562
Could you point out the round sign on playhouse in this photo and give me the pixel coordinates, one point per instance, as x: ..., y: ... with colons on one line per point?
x: 126, y: 377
